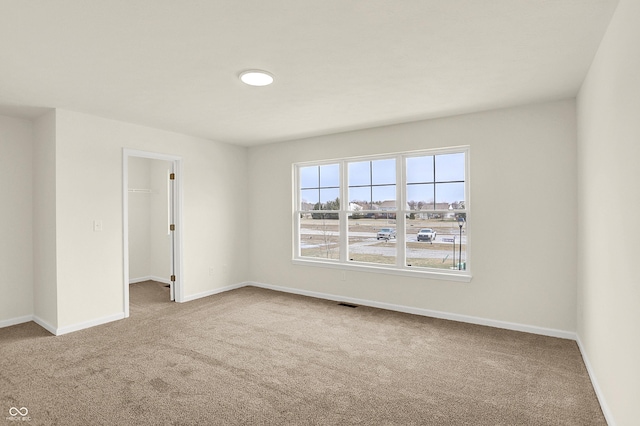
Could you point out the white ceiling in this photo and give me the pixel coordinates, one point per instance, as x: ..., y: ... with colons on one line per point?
x: 338, y: 64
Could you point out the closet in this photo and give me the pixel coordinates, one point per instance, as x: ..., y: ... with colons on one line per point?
x: 150, y: 255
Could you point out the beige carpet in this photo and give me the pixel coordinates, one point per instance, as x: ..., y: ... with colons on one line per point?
x: 258, y: 357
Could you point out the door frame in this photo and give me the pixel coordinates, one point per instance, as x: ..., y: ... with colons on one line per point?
x: 176, y: 161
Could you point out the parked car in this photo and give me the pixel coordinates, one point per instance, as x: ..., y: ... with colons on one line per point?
x: 426, y: 234
x: 386, y: 233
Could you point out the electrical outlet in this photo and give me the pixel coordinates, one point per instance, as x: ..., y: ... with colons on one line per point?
x: 97, y: 226
x: 343, y: 276
x: 210, y: 271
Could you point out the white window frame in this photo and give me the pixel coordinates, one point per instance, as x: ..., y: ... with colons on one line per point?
x: 402, y: 211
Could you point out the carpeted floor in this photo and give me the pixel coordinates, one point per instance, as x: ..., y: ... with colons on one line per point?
x: 258, y: 357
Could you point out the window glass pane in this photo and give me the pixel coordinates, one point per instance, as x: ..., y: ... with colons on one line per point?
x: 450, y: 167
x: 433, y: 241
x: 420, y: 169
x: 450, y: 193
x: 361, y: 196
x: 383, y: 171
x: 330, y: 199
x: 308, y: 198
x: 309, y: 177
x: 320, y: 235
x: 360, y: 173
x: 372, y: 239
x: 420, y: 197
x: 384, y: 197
x: 330, y: 175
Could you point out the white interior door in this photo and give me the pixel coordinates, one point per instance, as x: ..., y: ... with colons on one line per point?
x: 172, y: 228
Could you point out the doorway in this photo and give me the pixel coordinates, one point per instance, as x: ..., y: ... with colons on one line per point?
x: 152, y: 222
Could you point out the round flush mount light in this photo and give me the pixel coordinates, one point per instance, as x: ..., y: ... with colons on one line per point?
x: 256, y: 78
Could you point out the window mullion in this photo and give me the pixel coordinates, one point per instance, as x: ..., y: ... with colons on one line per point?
x: 400, y: 214
x: 296, y: 234
x: 344, y: 209
x: 297, y: 206
x: 319, y: 192
x: 433, y: 163
x: 371, y: 184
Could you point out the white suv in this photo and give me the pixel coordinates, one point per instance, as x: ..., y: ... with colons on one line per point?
x: 426, y: 234
x: 386, y: 233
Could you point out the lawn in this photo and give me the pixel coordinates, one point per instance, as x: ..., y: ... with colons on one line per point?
x: 320, y: 239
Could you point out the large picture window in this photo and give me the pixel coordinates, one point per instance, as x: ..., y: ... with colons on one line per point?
x: 406, y: 213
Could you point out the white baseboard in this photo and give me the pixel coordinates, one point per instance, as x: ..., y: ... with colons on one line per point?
x: 382, y: 305
x: 425, y: 312
x: 214, y: 291
x: 596, y: 387
x: 161, y: 280
x: 99, y: 321
x: 149, y: 278
x: 42, y: 323
x: 87, y: 324
x: 15, y: 321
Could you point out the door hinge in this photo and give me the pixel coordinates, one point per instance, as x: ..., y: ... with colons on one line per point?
x: 172, y: 176
x: 172, y: 227
x: 173, y: 278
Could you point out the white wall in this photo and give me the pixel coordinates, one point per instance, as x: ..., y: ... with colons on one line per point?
x: 523, y: 194
x: 45, y: 291
x: 16, y: 236
x: 609, y: 230
x: 139, y: 215
x: 89, y: 187
x: 159, y: 238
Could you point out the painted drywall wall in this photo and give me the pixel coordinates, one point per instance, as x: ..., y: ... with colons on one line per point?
x: 608, y: 174
x: 16, y: 227
x: 159, y: 238
x: 139, y: 215
x: 523, y: 195
x: 89, y: 187
x: 45, y: 289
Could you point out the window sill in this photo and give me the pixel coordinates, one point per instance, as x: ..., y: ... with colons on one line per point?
x: 462, y: 276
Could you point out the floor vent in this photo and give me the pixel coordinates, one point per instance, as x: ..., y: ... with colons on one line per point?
x: 348, y: 305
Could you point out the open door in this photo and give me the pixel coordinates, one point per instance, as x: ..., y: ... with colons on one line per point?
x: 169, y: 271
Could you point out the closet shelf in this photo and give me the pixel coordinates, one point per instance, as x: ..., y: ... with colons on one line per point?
x: 140, y: 190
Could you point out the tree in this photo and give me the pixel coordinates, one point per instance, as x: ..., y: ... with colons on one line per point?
x: 328, y: 237
x: 329, y: 205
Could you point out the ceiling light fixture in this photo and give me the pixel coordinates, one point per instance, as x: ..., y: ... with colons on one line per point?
x: 256, y: 78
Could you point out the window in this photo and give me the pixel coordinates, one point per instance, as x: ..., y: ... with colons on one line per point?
x: 319, y: 199
x: 404, y: 213
x: 372, y: 196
